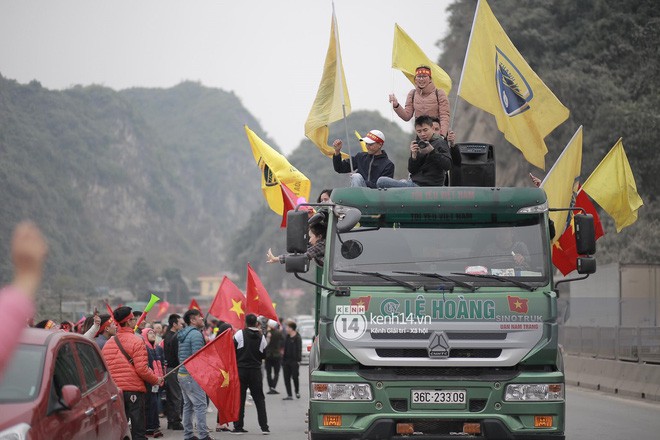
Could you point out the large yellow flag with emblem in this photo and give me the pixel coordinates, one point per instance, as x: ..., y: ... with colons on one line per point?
x: 407, y: 56
x: 497, y: 79
x: 561, y: 182
x: 331, y: 103
x: 275, y: 169
x: 612, y: 186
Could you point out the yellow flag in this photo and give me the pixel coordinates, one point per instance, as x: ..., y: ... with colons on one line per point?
x: 362, y: 144
x: 331, y: 102
x: 561, y: 182
x: 497, y: 79
x: 407, y: 56
x: 275, y: 169
x: 612, y: 186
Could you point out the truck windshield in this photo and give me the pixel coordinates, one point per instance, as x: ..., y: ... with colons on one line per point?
x: 515, y: 251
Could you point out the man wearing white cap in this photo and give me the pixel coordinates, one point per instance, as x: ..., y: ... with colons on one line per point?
x: 368, y: 166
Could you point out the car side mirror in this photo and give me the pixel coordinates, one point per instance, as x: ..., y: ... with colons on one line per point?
x: 71, y: 396
x: 297, y: 232
x: 585, y: 234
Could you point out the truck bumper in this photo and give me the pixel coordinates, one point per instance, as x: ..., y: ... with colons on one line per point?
x: 385, y: 429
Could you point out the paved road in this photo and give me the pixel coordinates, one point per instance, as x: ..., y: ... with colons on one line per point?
x: 591, y: 415
x: 285, y: 418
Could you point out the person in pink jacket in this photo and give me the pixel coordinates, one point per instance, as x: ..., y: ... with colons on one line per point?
x: 28, y: 252
x: 424, y: 99
x: 155, y: 357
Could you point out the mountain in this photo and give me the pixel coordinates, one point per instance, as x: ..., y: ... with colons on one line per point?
x: 113, y: 176
x: 165, y: 177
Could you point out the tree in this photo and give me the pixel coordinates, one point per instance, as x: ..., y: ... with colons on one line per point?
x: 139, y: 277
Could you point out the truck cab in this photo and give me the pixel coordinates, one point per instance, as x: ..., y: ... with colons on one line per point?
x: 436, y: 316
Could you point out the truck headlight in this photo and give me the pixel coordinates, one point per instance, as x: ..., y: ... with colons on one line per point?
x: 341, y: 391
x: 534, y: 392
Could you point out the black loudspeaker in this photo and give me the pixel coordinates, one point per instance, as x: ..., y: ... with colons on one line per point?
x: 477, y: 166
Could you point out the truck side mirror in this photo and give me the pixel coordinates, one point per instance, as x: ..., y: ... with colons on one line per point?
x: 297, y: 232
x: 296, y: 263
x: 586, y: 265
x: 585, y: 234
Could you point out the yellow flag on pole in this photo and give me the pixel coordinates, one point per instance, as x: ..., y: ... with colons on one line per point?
x: 363, y: 145
x: 275, y: 169
x: 498, y: 80
x: 407, y: 56
x: 612, y: 186
x: 561, y: 182
x: 332, y: 102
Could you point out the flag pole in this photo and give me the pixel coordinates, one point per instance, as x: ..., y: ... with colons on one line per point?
x: 467, y: 50
x: 338, y: 62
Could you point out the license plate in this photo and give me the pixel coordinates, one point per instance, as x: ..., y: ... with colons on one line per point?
x: 449, y: 397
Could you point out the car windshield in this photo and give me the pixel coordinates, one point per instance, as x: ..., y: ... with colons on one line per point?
x: 22, y: 378
x: 512, y: 250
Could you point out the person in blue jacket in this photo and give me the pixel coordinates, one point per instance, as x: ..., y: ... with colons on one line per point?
x: 191, y: 341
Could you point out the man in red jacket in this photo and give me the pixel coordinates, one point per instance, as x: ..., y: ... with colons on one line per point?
x: 126, y: 356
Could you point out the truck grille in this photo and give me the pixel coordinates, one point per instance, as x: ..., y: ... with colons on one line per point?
x: 477, y: 405
x: 493, y: 374
x: 450, y: 335
x: 401, y: 405
x: 453, y: 353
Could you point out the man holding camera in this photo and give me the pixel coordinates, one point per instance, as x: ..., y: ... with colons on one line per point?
x: 429, y: 159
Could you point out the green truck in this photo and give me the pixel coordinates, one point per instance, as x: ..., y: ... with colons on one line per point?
x: 436, y: 315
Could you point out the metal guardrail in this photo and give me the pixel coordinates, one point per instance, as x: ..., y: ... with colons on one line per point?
x: 636, y: 344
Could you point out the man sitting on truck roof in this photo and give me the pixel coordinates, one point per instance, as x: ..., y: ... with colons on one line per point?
x: 429, y: 159
x: 369, y: 166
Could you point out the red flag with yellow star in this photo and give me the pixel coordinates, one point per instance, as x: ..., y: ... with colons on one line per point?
x: 229, y: 304
x: 258, y: 300
x: 214, y: 369
x: 194, y: 306
x: 516, y: 304
x: 564, y: 251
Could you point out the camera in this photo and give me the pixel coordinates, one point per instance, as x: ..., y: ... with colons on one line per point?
x: 422, y: 144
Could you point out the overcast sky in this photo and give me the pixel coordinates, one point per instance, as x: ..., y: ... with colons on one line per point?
x: 269, y: 52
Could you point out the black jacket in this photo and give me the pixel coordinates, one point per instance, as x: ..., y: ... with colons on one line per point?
x: 371, y: 167
x: 292, y: 349
x: 250, y: 345
x: 431, y: 169
x: 171, y: 349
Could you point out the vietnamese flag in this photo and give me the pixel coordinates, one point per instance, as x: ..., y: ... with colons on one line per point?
x: 517, y: 304
x: 162, y: 309
x: 258, y: 300
x: 289, y: 199
x: 564, y: 251
x: 193, y: 305
x: 229, y: 304
x: 214, y: 369
x: 361, y: 301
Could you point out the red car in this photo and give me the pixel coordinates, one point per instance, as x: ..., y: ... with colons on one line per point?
x: 57, y: 386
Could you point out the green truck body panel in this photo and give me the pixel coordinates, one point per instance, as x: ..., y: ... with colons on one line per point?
x: 460, y: 333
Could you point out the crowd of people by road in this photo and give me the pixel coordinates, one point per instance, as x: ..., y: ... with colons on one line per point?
x: 146, y: 361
